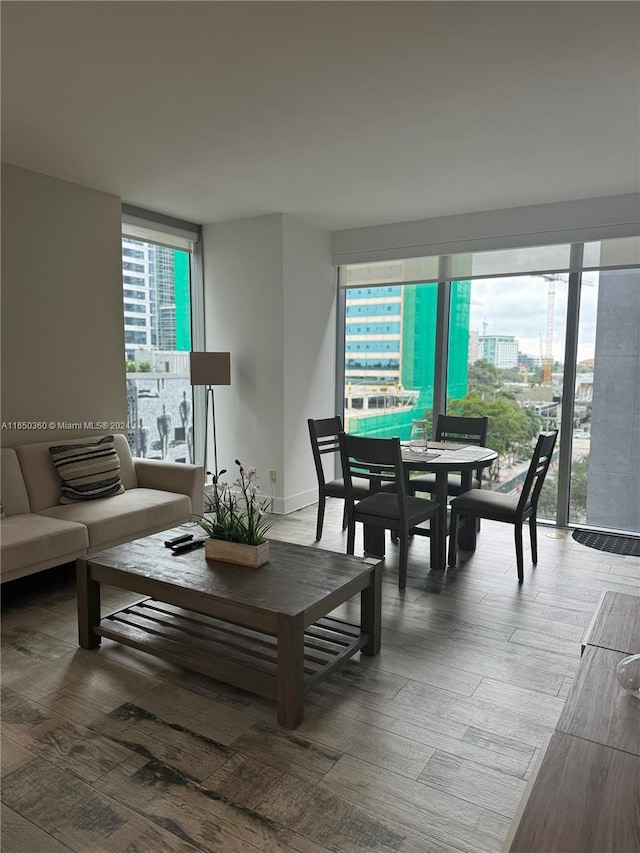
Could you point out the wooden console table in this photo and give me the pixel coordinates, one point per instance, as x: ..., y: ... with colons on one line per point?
x: 585, y: 796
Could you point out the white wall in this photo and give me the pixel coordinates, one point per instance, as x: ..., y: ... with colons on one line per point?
x: 62, y: 314
x: 270, y: 301
x: 309, y: 351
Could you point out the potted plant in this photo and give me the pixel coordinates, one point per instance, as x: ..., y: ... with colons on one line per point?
x: 236, y: 523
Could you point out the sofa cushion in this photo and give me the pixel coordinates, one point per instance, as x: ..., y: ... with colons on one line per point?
x: 88, y: 470
x: 41, y: 478
x: 14, y: 491
x: 132, y: 515
x: 29, y: 539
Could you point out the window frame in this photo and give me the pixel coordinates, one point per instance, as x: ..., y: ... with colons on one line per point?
x: 626, y: 251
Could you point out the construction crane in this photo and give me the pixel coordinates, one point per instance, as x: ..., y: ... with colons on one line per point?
x: 547, y: 364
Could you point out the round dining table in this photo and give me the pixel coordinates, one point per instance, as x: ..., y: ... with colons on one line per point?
x: 439, y: 458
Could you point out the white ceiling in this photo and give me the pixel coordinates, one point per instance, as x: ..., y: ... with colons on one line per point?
x: 340, y: 113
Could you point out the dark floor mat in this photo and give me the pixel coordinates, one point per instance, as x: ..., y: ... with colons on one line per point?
x: 627, y: 546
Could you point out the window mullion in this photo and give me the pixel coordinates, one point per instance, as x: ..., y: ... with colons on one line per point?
x: 569, y: 385
x: 442, y: 338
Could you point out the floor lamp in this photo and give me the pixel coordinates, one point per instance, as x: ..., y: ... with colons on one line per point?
x: 209, y: 369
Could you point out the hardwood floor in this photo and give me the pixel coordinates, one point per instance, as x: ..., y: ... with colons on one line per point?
x: 425, y: 748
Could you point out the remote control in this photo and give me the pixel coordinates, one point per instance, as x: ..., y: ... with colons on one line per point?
x: 188, y: 546
x: 171, y: 543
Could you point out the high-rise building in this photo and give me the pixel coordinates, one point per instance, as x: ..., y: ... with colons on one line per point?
x: 373, y: 335
x: 501, y: 350
x: 156, y: 297
x: 137, y: 296
x: 390, y: 344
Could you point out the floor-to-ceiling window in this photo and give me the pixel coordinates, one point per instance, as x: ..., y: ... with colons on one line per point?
x: 519, y: 348
x: 515, y: 331
x: 157, y: 271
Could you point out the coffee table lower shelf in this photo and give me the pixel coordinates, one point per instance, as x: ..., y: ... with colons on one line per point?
x: 240, y: 656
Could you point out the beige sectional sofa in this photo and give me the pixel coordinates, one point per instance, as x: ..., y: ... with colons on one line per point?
x: 38, y: 532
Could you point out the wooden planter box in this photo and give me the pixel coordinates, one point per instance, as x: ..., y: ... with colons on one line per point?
x: 235, y: 552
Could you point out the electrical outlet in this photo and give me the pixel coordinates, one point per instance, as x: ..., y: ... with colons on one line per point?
x: 272, y: 476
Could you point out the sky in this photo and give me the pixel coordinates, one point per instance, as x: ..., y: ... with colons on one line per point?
x: 518, y: 306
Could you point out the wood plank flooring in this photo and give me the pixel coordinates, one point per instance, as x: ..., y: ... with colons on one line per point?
x: 425, y: 748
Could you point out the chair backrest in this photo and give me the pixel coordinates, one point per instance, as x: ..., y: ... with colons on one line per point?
x: 324, y: 439
x: 462, y: 430
x: 378, y: 460
x: 538, y: 467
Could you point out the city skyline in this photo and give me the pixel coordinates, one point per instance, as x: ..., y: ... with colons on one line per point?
x: 518, y: 306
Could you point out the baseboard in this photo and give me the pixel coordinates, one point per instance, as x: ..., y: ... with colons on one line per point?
x: 292, y: 503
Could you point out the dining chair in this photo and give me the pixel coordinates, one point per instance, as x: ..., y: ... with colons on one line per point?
x: 460, y: 430
x: 379, y: 460
x: 512, y: 509
x: 324, y: 440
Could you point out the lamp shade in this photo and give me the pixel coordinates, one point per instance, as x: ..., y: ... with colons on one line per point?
x: 210, y: 368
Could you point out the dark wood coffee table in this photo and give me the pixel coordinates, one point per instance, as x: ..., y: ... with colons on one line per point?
x: 264, y: 630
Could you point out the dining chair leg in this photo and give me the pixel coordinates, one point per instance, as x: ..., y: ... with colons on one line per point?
x: 519, y: 551
x: 533, y: 533
x: 345, y: 519
x: 320, y: 520
x: 351, y: 537
x: 403, y: 560
x: 433, y: 542
x: 453, y: 539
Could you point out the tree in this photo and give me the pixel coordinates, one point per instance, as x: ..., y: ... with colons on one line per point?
x: 484, y: 378
x: 511, y: 428
x: 577, y: 496
x: 138, y: 366
x: 511, y: 374
x: 509, y: 425
x: 535, y: 376
x: 578, y: 490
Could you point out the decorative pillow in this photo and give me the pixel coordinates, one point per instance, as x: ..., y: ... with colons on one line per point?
x: 88, y: 471
x: 2, y: 512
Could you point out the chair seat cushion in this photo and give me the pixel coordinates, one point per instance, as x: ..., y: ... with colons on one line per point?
x: 486, y: 504
x: 427, y: 483
x: 336, y: 489
x: 383, y: 505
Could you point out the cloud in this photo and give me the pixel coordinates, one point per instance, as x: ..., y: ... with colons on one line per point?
x: 518, y: 306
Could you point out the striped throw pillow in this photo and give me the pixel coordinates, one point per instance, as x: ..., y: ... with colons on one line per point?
x: 88, y: 471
